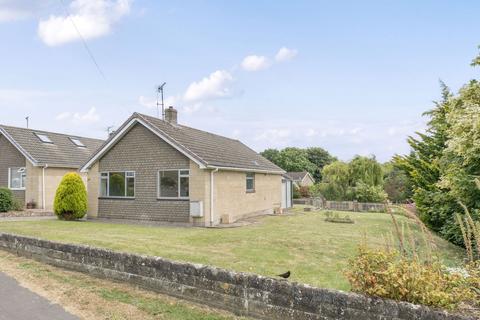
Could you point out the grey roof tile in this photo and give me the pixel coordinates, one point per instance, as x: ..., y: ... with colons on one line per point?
x: 297, y: 176
x: 208, y: 148
x: 61, y: 153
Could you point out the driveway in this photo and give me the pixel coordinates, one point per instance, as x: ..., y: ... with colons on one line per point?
x: 19, y: 303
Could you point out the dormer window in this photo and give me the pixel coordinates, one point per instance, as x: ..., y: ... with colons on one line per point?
x: 77, y: 142
x: 44, y: 138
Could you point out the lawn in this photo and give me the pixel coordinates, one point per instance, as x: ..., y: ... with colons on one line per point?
x: 316, y: 251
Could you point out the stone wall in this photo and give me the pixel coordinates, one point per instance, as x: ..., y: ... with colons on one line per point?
x: 241, y: 293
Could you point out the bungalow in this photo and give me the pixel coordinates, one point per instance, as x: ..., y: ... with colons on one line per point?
x: 33, y: 162
x: 302, y: 179
x: 156, y: 170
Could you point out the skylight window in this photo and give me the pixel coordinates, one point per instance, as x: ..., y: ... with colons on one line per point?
x: 44, y: 138
x: 77, y: 142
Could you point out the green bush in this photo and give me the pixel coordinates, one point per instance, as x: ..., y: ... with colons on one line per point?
x: 387, y: 274
x: 369, y: 193
x: 17, y: 205
x: 71, y: 198
x: 6, y: 200
x: 296, y: 192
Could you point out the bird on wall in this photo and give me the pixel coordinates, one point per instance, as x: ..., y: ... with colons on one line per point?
x: 285, y: 275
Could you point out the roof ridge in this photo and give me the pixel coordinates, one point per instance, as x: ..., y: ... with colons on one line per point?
x: 52, y: 132
x: 184, y: 126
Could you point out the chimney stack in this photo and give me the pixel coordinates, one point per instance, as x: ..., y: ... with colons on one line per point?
x: 171, y: 115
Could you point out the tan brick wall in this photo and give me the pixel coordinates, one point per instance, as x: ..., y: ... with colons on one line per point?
x: 231, y: 198
x: 33, y: 189
x: 93, y: 191
x: 200, y: 191
x: 53, y: 177
x: 10, y: 157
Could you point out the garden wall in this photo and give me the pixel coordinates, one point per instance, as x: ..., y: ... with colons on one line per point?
x: 241, y: 293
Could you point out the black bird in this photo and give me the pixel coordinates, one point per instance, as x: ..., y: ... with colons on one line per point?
x: 285, y: 275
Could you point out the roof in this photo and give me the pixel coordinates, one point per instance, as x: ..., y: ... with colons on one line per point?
x: 62, y: 152
x: 297, y: 176
x: 208, y: 150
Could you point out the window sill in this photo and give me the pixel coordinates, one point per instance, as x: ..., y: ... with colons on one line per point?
x: 250, y: 191
x: 17, y: 189
x: 116, y: 198
x: 173, y: 199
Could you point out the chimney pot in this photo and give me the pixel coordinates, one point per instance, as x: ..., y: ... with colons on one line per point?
x: 171, y: 115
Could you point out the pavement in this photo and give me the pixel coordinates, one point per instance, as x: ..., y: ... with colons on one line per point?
x: 19, y: 303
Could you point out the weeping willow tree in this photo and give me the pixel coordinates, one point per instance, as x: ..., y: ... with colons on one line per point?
x: 360, y: 179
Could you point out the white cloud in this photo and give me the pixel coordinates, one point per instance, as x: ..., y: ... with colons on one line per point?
x: 273, y: 134
x: 255, y: 63
x: 216, y: 85
x: 285, y: 54
x: 78, y: 118
x: 63, y: 116
x: 93, y: 18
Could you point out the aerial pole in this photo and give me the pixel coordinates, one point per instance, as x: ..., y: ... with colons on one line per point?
x: 160, y: 91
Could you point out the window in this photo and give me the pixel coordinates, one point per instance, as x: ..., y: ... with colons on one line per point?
x: 117, y: 184
x: 250, y: 182
x: 174, y: 184
x: 16, y: 178
x: 44, y: 138
x: 77, y: 142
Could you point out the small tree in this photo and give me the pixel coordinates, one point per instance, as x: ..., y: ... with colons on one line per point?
x: 6, y: 200
x: 71, y: 198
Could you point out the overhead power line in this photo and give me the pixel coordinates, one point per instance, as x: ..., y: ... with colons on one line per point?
x: 85, y: 45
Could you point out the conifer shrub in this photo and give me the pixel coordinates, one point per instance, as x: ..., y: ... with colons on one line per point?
x: 6, y: 200
x: 71, y: 198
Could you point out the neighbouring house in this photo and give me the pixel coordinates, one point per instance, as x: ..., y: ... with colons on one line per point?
x: 33, y: 162
x: 302, y: 179
x: 156, y: 170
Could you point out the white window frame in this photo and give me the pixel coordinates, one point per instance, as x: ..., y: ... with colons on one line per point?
x: 250, y: 178
x: 44, y: 138
x: 107, y: 177
x: 77, y: 142
x: 179, y: 175
x: 24, y: 172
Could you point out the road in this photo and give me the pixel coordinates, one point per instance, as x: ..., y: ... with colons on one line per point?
x: 19, y: 303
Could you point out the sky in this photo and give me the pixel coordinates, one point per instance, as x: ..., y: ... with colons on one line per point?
x: 353, y: 77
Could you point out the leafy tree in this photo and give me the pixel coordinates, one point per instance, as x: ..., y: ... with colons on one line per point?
x: 369, y: 193
x: 296, y: 159
x: 366, y: 170
x: 71, y: 198
x: 320, y: 158
x: 335, y: 184
x: 272, y: 154
x: 396, y: 183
